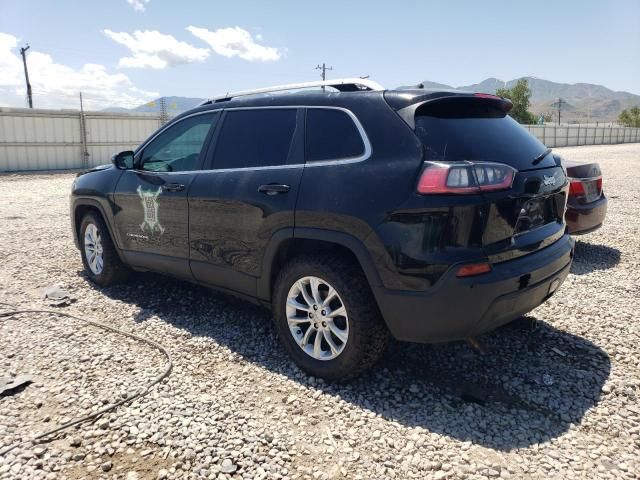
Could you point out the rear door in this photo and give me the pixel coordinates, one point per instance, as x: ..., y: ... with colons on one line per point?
x: 151, y: 210
x: 247, y: 195
x: 528, y: 216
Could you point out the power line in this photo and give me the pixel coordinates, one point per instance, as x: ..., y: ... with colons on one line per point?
x: 23, y: 52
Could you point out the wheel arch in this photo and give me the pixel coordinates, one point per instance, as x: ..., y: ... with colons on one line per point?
x: 287, y: 243
x: 81, y: 207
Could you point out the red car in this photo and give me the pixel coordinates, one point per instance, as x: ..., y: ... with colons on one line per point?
x: 587, y: 204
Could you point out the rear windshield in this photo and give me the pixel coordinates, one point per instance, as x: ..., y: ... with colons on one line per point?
x: 454, y: 131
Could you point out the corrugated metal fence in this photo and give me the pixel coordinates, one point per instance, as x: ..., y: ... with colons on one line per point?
x: 53, y: 139
x: 575, y: 135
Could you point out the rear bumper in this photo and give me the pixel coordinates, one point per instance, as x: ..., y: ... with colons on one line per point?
x: 458, y: 308
x: 583, y: 219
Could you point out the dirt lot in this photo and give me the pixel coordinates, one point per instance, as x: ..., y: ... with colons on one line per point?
x: 559, y: 401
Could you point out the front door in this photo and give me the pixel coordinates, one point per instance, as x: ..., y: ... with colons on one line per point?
x: 151, y: 208
x: 248, y: 194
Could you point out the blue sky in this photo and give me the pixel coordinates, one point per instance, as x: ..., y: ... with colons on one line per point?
x: 93, y: 46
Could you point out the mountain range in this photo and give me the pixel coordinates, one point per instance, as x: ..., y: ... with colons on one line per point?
x: 174, y: 105
x: 580, y: 101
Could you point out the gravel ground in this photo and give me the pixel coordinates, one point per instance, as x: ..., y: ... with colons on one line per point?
x: 556, y: 401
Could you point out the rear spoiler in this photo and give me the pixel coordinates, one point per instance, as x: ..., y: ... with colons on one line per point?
x: 408, y: 113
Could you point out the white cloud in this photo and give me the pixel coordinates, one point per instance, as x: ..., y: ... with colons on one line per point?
x: 56, y: 85
x: 152, y: 49
x: 10, y: 63
x: 235, y: 41
x: 138, y: 5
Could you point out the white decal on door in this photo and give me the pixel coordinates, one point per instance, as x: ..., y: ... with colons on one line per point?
x: 151, y: 224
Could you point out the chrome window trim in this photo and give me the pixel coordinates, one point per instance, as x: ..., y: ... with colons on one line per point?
x: 347, y: 160
x: 250, y: 169
x: 320, y: 163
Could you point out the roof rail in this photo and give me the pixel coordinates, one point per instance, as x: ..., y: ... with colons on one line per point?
x: 340, y: 84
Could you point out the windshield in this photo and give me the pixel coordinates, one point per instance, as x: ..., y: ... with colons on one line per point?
x: 488, y: 135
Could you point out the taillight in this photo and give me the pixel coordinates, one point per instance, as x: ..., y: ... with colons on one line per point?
x: 576, y: 188
x: 465, y: 177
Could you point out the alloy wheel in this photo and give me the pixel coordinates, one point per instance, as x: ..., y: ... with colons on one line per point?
x: 317, y: 318
x: 93, y: 249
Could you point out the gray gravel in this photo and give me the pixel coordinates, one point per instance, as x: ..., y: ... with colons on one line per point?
x: 557, y: 401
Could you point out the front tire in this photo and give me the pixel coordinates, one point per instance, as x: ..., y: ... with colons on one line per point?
x: 327, y: 318
x: 99, y: 257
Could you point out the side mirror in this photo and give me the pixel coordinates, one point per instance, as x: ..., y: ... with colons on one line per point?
x: 123, y: 160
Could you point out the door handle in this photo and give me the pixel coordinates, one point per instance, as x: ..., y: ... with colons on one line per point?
x: 273, y: 189
x: 172, y: 187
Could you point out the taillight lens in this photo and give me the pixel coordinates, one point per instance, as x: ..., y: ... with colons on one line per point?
x: 576, y: 188
x: 465, y: 177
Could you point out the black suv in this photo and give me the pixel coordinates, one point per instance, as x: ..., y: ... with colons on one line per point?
x: 354, y: 214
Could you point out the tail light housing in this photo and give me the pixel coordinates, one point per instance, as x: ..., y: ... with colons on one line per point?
x: 464, y: 177
x: 577, y: 186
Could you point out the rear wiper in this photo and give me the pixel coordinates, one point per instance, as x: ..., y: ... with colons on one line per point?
x: 540, y: 157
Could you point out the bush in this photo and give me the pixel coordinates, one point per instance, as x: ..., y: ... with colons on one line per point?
x: 630, y: 118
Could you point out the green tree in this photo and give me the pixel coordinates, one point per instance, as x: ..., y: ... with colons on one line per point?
x: 520, y: 96
x: 630, y: 118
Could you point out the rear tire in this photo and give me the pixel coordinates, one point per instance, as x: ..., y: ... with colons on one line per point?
x: 346, y: 311
x: 99, y: 256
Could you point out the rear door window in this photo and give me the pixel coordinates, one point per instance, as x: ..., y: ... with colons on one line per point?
x: 331, y: 135
x: 255, y: 138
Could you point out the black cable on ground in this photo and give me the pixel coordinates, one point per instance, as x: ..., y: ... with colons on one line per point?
x: 92, y: 416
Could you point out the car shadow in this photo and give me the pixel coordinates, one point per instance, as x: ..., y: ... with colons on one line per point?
x: 530, y: 387
x: 590, y: 257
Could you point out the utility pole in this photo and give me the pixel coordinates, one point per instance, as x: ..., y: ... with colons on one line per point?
x: 83, y: 135
x: 559, y: 105
x: 23, y: 51
x: 324, y: 69
x: 164, y: 115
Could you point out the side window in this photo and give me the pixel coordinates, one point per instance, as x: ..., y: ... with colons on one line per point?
x: 177, y: 149
x: 255, y: 138
x: 331, y: 135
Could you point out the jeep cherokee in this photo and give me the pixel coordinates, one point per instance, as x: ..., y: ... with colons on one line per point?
x: 355, y: 214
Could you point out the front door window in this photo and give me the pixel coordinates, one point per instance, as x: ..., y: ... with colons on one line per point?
x: 178, y: 148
